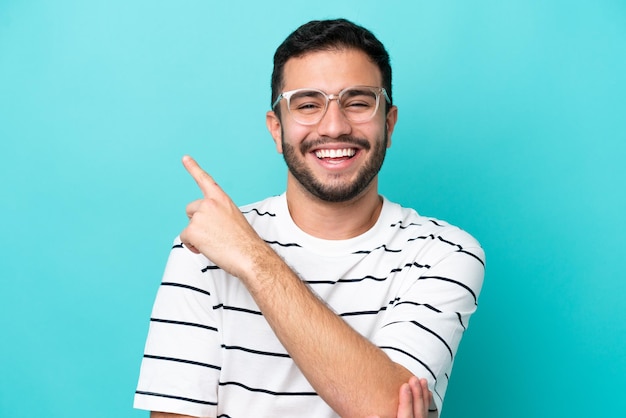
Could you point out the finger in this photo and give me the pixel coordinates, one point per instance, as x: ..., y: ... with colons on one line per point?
x: 203, y: 179
x: 420, y: 405
x: 427, y: 396
x: 192, y: 208
x: 192, y: 248
x: 184, y: 238
x: 405, y: 403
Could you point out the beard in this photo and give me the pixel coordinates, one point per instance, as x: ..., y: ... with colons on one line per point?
x: 336, y: 190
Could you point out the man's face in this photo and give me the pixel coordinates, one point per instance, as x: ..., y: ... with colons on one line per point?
x: 335, y: 160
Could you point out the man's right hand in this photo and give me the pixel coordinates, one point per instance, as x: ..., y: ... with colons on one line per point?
x: 414, y: 400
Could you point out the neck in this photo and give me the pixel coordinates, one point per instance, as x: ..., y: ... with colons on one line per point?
x: 334, y: 220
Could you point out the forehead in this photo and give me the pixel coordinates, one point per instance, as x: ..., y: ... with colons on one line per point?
x: 331, y: 71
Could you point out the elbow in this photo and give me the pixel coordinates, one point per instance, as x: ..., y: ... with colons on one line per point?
x: 383, y: 404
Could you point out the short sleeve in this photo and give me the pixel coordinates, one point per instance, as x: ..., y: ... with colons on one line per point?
x: 423, y: 328
x: 181, y: 364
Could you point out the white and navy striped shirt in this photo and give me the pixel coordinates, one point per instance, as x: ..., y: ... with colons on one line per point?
x: 409, y: 285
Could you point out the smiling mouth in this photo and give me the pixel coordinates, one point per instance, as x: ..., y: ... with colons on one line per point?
x: 335, y: 153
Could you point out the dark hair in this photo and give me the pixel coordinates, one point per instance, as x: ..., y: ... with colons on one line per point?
x: 325, y: 35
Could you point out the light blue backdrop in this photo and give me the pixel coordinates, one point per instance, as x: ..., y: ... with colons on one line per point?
x: 512, y: 125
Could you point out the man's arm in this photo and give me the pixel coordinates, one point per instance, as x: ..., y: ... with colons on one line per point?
x: 414, y: 401
x: 351, y: 374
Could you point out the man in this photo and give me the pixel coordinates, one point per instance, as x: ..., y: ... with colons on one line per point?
x: 328, y: 299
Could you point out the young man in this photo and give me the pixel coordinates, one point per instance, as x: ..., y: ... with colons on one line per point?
x: 326, y: 300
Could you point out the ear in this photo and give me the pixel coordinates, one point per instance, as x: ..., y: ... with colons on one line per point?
x: 273, y: 125
x: 390, y: 123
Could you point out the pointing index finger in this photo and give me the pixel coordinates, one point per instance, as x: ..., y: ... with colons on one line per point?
x: 202, y: 178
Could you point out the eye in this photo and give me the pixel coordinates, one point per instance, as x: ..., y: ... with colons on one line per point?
x: 306, y: 106
x: 356, y: 103
x: 359, y: 102
x: 307, y: 102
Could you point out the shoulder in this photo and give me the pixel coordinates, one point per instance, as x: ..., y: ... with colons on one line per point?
x: 438, y: 232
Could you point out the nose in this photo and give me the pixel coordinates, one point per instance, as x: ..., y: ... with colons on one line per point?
x: 334, y: 123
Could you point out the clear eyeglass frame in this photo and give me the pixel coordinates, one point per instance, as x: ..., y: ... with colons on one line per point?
x: 317, y: 115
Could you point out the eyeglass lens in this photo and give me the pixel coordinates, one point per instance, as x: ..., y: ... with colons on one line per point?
x: 357, y: 104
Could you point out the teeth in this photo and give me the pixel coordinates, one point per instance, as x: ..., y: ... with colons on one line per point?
x: 335, y: 153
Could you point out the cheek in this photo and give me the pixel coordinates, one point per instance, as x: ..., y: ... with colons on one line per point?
x: 295, y: 134
x: 373, y: 133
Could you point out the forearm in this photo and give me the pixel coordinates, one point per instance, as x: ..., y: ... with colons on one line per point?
x: 352, y: 375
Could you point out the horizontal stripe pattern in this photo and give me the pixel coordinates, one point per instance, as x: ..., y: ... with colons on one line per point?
x: 179, y: 398
x: 410, y: 286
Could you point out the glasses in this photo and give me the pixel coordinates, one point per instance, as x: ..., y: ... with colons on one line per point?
x: 308, y: 106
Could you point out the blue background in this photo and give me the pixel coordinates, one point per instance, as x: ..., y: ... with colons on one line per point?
x: 512, y: 125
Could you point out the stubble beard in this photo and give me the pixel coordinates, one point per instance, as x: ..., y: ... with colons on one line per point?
x: 336, y: 190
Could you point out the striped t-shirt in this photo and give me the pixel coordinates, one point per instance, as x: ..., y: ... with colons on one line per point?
x: 409, y: 285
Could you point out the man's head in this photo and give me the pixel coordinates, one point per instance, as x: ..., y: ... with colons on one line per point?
x: 331, y: 83
x: 328, y: 35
